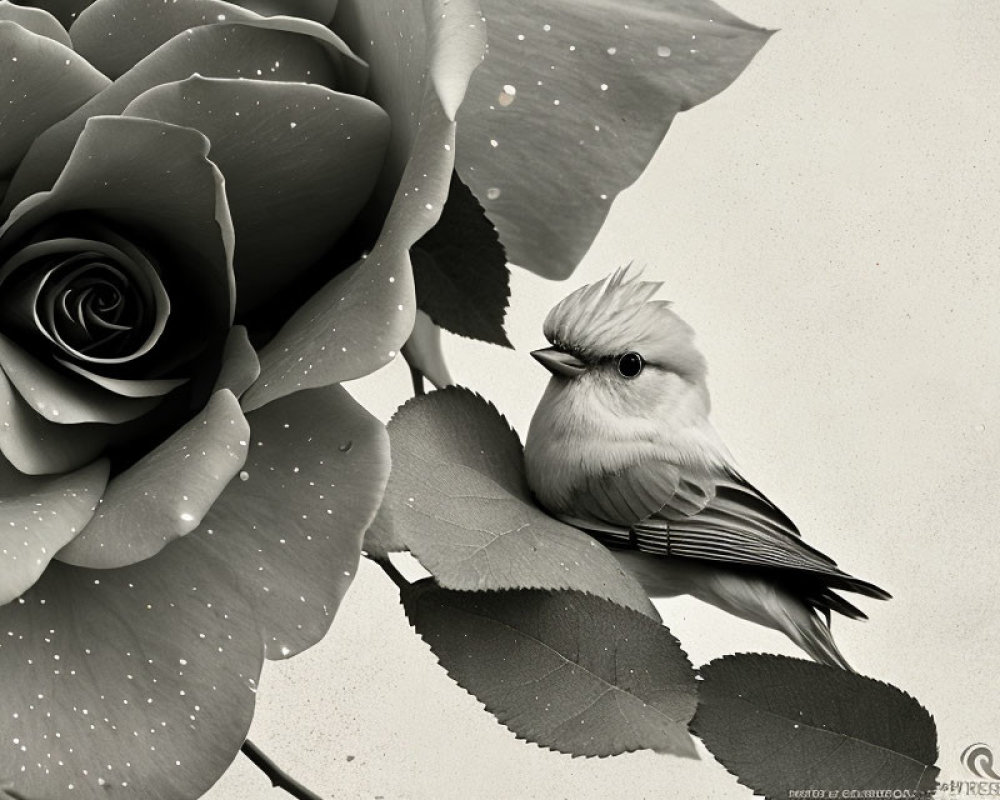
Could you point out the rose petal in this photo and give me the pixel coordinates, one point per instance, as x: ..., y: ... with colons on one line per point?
x: 335, y: 332
x: 446, y: 42
x: 39, y: 447
x: 144, y: 387
x: 155, y: 178
x: 240, y: 366
x: 35, y: 20
x: 456, y: 50
x: 62, y: 398
x: 43, y: 82
x: 140, y: 682
x: 114, y: 35
x: 40, y: 515
x: 112, y: 250
x: 153, y: 667
x: 282, y: 49
x: 292, y: 525
x: 319, y: 10
x: 300, y: 162
x: 166, y: 493
x: 63, y: 10
x: 571, y: 103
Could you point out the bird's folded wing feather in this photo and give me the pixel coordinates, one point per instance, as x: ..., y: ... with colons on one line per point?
x: 667, y: 509
x: 635, y: 493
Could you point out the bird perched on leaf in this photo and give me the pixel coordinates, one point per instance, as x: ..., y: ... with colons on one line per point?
x: 621, y: 447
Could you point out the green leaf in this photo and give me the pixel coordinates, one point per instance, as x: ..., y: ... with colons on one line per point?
x: 459, y: 501
x: 781, y: 724
x: 460, y: 270
x: 565, y: 670
x: 571, y: 103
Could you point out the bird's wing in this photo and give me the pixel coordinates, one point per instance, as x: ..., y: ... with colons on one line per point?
x: 666, y: 509
x: 630, y: 495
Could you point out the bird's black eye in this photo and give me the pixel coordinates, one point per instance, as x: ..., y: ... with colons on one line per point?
x: 630, y: 365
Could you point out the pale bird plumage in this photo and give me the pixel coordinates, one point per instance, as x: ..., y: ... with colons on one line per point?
x: 634, y: 460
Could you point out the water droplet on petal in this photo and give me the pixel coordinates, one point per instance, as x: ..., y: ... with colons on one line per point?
x: 492, y: 193
x: 244, y: 475
x: 346, y: 446
x: 663, y: 51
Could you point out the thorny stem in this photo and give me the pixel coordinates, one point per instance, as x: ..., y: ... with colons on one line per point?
x: 278, y: 777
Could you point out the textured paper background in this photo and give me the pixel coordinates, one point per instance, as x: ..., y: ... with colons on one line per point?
x: 829, y: 226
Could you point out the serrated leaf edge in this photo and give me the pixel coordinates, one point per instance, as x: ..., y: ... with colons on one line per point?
x: 522, y: 737
x: 775, y: 657
x: 458, y: 389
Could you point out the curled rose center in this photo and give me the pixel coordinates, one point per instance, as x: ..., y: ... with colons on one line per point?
x: 92, y: 308
x: 99, y: 301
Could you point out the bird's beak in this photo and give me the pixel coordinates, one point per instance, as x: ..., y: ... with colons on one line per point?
x: 559, y: 362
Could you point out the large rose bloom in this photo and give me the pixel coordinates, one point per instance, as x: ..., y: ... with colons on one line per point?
x: 206, y: 214
x: 205, y: 224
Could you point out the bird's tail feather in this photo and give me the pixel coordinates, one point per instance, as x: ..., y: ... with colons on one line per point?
x: 813, y: 635
x: 826, y: 600
x: 759, y: 600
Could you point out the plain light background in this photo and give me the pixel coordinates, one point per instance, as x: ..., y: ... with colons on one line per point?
x: 828, y: 225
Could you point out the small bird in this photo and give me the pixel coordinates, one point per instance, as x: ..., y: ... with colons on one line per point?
x: 621, y: 447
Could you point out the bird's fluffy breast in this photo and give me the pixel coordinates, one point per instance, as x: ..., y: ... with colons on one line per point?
x: 575, y: 435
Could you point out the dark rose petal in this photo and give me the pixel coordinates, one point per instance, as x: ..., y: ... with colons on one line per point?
x: 131, y: 387
x: 153, y: 180
x: 37, y: 21
x: 63, y: 398
x: 300, y: 162
x: 332, y: 337
x: 167, y: 492
x: 114, y: 35
x: 295, y: 51
x: 134, y: 682
x: 43, y: 81
x: 292, y: 525
x: 63, y: 10
x: 240, y: 366
x: 39, y: 447
x: 40, y: 516
x: 100, y: 301
x: 572, y: 101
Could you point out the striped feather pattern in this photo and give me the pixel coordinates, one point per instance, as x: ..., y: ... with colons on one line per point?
x: 660, y: 508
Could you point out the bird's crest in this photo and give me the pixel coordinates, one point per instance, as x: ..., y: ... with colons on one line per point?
x: 618, y: 314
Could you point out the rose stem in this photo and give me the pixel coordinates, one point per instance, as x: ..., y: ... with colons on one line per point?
x: 389, y: 569
x: 418, y: 381
x: 278, y: 777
